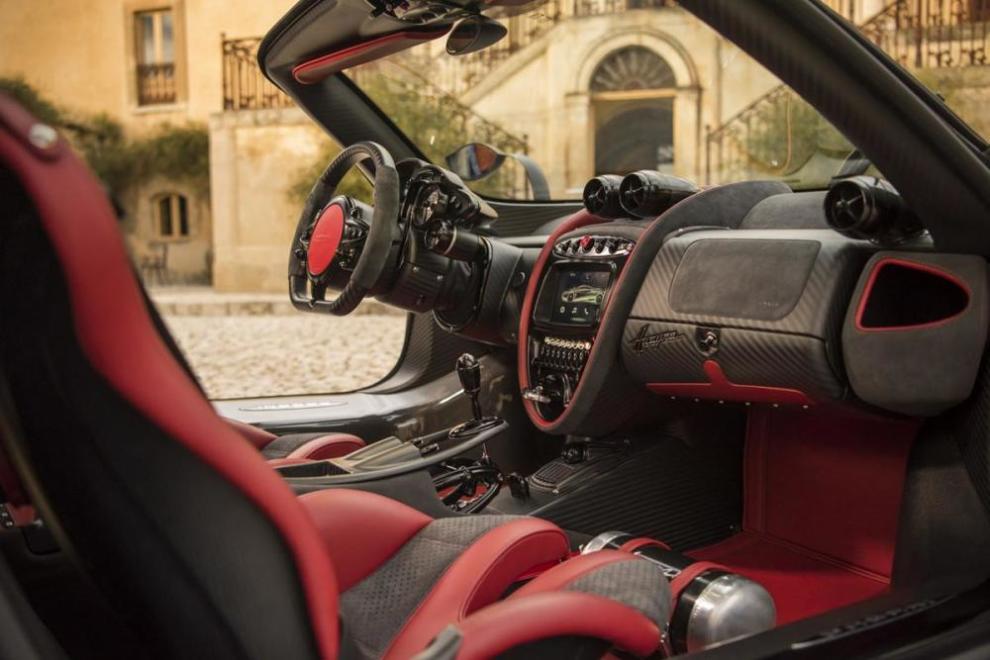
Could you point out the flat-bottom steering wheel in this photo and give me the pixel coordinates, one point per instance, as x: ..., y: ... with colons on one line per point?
x: 335, y: 246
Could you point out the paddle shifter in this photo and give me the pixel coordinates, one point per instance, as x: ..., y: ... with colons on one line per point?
x: 469, y: 372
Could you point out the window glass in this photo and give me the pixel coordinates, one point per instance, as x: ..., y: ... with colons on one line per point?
x: 168, y: 48
x: 146, y: 38
x: 610, y: 87
x: 155, y: 36
x: 183, y: 216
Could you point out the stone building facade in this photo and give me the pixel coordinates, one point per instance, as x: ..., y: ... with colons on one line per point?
x: 566, y: 83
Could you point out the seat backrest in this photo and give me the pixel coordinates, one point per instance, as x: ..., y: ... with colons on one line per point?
x: 196, y: 541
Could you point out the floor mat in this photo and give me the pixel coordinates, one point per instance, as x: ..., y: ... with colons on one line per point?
x: 801, y: 585
x: 822, y: 498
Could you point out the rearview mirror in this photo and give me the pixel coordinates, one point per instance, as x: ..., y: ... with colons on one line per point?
x: 473, y: 34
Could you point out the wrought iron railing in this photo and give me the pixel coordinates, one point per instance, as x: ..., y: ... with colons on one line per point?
x: 919, y: 34
x: 156, y: 84
x: 244, y: 85
x: 246, y: 88
x: 463, y: 119
x: 928, y: 34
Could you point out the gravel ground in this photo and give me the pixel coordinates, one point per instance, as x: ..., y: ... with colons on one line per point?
x: 246, y: 355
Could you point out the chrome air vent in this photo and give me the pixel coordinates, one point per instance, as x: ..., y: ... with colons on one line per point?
x: 646, y: 194
x: 866, y: 207
x: 601, y: 196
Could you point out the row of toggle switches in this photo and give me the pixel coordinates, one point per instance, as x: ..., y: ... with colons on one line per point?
x: 593, y: 246
x: 563, y: 354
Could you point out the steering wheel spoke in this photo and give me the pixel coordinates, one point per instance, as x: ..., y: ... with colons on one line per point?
x: 318, y: 291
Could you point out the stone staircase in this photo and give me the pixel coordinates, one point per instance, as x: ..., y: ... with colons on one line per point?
x: 918, y: 34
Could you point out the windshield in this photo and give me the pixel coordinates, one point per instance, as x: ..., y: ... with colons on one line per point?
x: 588, y: 87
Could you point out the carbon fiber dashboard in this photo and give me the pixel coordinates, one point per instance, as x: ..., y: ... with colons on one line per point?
x: 743, y: 313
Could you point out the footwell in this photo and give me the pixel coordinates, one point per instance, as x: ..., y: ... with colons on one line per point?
x: 822, y: 496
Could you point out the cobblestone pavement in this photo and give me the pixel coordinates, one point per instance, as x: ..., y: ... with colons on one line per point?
x: 245, y: 350
x: 245, y: 356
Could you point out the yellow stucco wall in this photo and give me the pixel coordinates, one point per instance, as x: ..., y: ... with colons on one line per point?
x: 80, y: 53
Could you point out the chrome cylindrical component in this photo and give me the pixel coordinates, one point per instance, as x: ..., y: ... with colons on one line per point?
x: 717, y: 607
x: 714, y: 607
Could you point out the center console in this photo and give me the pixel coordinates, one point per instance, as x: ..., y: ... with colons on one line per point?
x: 572, y: 297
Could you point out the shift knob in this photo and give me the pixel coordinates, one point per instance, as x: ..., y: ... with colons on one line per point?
x: 469, y: 373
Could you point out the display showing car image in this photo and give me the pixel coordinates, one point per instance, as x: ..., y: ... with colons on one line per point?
x: 717, y: 385
x: 583, y: 293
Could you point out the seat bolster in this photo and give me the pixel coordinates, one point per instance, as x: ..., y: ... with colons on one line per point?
x: 332, y: 445
x: 479, y: 577
x: 514, y: 622
x: 361, y: 530
x: 260, y: 438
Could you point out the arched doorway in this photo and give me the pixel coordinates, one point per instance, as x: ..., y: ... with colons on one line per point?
x: 632, y: 94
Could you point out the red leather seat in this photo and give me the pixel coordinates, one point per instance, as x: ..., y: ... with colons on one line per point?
x: 198, y: 543
x: 295, y: 448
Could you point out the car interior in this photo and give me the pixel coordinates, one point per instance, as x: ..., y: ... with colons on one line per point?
x: 742, y: 420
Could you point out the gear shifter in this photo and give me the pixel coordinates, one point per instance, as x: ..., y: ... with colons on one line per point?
x: 469, y: 373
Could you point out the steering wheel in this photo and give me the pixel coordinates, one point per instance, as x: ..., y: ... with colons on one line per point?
x: 334, y: 245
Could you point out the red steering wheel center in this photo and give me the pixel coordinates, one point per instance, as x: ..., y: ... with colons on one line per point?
x: 325, y: 240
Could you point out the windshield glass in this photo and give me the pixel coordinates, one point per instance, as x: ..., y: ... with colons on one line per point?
x: 588, y: 87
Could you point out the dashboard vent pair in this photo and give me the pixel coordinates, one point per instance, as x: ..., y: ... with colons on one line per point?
x: 642, y: 194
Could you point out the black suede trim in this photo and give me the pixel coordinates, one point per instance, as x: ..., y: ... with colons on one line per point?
x: 799, y: 210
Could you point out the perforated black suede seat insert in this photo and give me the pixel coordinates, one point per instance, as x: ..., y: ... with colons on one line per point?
x: 374, y: 610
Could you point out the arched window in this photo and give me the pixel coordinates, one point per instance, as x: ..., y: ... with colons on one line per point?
x: 633, y: 91
x: 172, y: 216
x: 632, y: 67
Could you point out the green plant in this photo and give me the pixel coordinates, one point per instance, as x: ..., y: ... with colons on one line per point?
x: 177, y: 153
x: 354, y: 184
x: 33, y: 102
x: 785, y: 132
x: 434, y: 121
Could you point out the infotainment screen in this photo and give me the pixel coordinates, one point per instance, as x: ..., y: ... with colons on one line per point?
x: 579, y: 296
